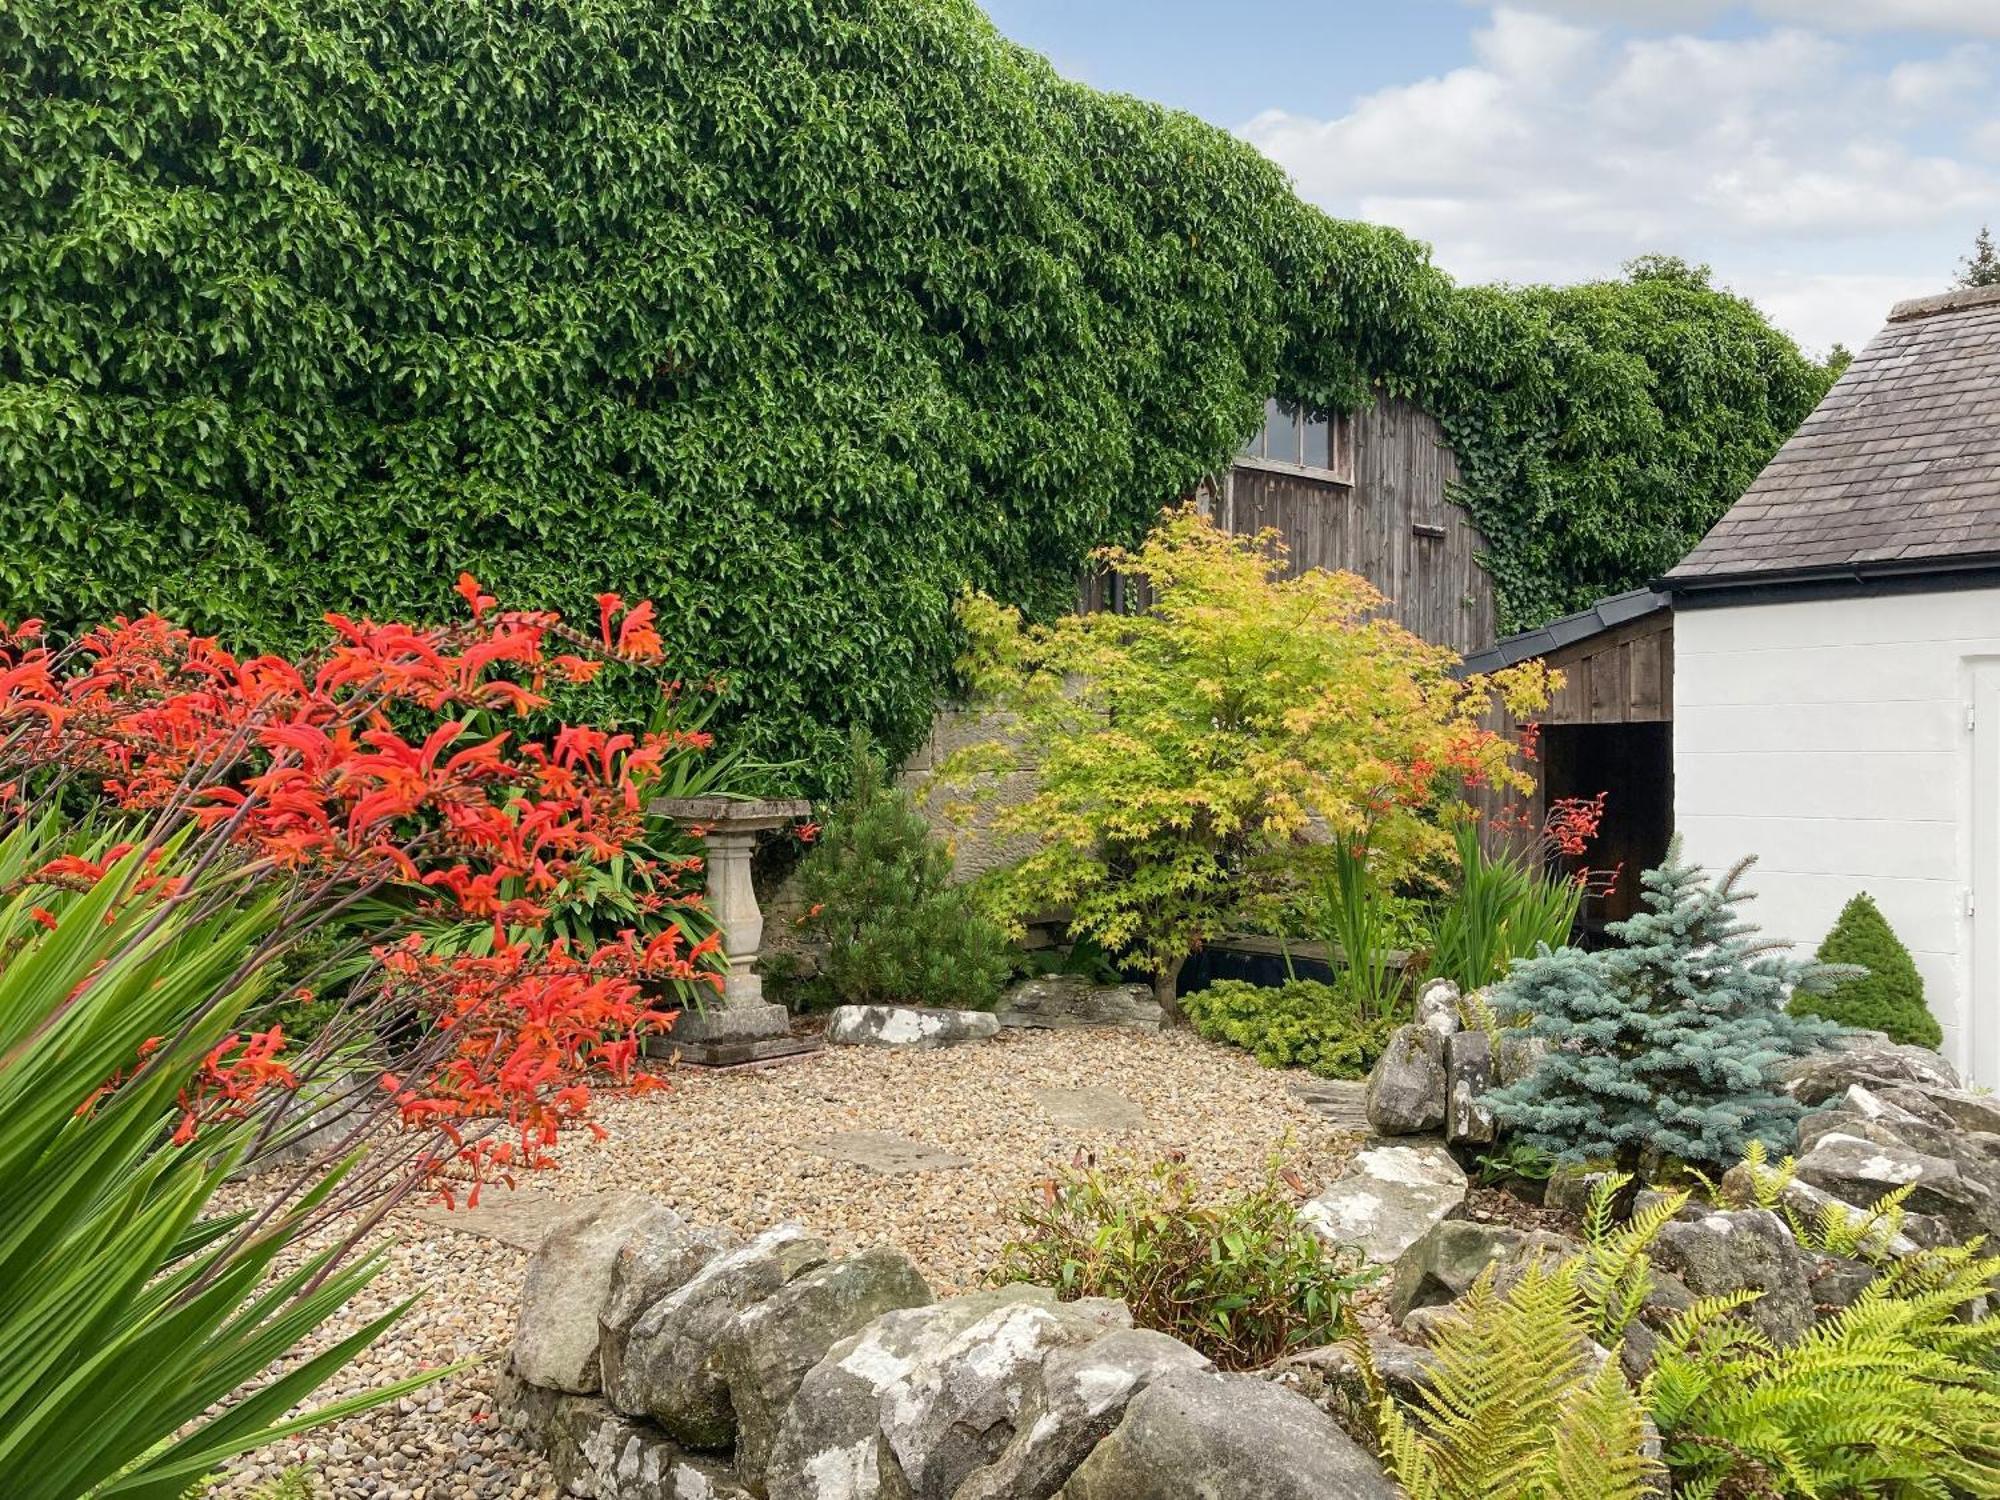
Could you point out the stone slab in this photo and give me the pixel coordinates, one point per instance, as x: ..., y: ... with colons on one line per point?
x: 735, y: 1054
x: 1091, y: 1109
x: 521, y: 1217
x: 880, y: 1151
x: 1341, y: 1102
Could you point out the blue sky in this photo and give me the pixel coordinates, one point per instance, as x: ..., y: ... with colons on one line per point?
x: 1826, y: 157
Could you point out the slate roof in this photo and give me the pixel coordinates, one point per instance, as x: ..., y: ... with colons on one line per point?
x: 1582, y: 625
x: 1896, y: 471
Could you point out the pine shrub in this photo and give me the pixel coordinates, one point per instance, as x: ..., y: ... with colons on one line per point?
x: 880, y: 895
x: 1672, y: 1040
x: 1890, y: 996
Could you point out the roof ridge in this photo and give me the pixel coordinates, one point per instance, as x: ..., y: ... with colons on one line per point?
x: 1945, y: 302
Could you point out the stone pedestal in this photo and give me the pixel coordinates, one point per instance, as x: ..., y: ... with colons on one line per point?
x: 739, y: 1025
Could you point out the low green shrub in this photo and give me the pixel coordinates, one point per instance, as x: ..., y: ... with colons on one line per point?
x: 1239, y: 1277
x: 1300, y: 1024
x: 1890, y: 996
x: 879, y: 894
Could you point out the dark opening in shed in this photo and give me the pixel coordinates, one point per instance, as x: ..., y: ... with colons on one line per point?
x: 1608, y: 729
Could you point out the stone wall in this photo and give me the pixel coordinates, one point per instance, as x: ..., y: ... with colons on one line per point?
x: 976, y: 846
x: 658, y: 1361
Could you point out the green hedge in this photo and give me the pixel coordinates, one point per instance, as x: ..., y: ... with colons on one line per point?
x: 794, y: 316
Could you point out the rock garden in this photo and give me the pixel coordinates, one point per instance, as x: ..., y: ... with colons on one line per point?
x: 430, y: 1112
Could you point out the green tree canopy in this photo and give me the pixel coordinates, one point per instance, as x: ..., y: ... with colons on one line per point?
x: 1889, y: 995
x: 797, y: 316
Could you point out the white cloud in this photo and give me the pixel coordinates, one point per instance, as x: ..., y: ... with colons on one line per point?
x: 1792, y: 161
x: 1949, y: 17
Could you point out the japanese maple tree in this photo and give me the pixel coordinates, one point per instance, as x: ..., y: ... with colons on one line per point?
x: 1188, y: 759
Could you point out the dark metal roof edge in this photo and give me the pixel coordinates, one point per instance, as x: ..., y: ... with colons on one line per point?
x: 1606, y: 614
x: 1834, y: 580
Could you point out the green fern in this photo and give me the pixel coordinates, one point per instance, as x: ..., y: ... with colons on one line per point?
x: 1615, y: 1272
x: 1519, y: 1407
x: 1895, y: 1396
x: 1835, y: 1228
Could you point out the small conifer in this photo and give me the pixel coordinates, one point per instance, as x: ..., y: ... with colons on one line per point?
x: 1889, y: 996
x: 1670, y: 1041
x: 880, y: 894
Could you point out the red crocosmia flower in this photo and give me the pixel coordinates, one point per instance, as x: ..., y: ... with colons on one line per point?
x: 806, y: 832
x: 46, y: 917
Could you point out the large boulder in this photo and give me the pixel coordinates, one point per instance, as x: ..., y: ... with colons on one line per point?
x: 908, y: 1026
x: 1442, y: 1266
x: 658, y: 1258
x: 1738, y: 1250
x: 1061, y: 1001
x: 834, y: 1438
x: 1861, y: 1171
x: 568, y: 1280
x: 960, y: 1408
x: 1226, y: 1437
x: 769, y: 1348
x: 1967, y: 1110
x: 1870, y: 1059
x: 1468, y: 1071
x: 594, y: 1451
x: 671, y: 1370
x: 1389, y: 1198
x: 1407, y: 1090
x: 1081, y: 1395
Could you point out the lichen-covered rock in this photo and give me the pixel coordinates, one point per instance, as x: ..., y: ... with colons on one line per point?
x: 1967, y: 1110
x: 1570, y: 1188
x: 568, y: 1280
x: 1061, y: 1001
x: 908, y: 1026
x: 1226, y: 1437
x: 1437, y: 1007
x: 1388, y: 1199
x: 1468, y: 1071
x: 1870, y: 1059
x: 1808, y: 1204
x: 834, y: 1439
x: 1081, y: 1395
x: 671, y: 1372
x: 1407, y: 1089
x: 597, y: 1453
x: 1861, y: 1171
x: 767, y: 1351
x: 657, y: 1258
x: 1519, y: 1055
x: 961, y: 1406
x: 1441, y: 1266
x: 1747, y: 1249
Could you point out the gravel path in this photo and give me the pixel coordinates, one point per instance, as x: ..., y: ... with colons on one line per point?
x: 730, y: 1148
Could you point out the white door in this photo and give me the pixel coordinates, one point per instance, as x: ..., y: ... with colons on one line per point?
x: 1981, y: 1010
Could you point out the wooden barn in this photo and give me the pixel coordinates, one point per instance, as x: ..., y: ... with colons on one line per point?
x: 1367, y: 492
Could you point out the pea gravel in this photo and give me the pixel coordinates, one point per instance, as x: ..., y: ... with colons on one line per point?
x: 728, y: 1148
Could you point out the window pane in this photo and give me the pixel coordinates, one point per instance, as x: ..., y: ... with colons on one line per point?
x: 1281, y: 431
x: 1318, y: 448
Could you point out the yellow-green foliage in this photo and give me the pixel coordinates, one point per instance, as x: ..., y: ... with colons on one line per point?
x: 1521, y: 1405
x: 1893, y: 1396
x: 1836, y: 1228
x: 1180, y: 750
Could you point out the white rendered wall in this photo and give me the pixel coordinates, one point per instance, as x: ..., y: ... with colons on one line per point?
x: 1830, y: 738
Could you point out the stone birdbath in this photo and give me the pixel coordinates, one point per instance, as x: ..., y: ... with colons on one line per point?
x: 740, y: 1026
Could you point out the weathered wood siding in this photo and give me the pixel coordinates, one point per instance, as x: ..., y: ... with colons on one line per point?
x: 1395, y: 525
x: 1624, y: 676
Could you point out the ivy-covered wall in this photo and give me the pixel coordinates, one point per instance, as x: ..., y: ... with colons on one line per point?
x: 793, y: 315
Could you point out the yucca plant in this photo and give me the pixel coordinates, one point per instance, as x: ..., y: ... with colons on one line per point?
x: 127, y: 1309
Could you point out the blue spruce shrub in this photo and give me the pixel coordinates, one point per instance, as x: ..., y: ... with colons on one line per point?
x: 1671, y: 1040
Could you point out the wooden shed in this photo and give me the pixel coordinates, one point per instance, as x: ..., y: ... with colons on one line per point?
x: 1608, y: 729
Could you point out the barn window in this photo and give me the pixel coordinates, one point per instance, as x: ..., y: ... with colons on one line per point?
x: 1296, y: 438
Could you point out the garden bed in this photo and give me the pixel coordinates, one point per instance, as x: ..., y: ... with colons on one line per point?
x: 743, y: 1149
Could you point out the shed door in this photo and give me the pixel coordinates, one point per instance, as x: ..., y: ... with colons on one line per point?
x: 1981, y: 1012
